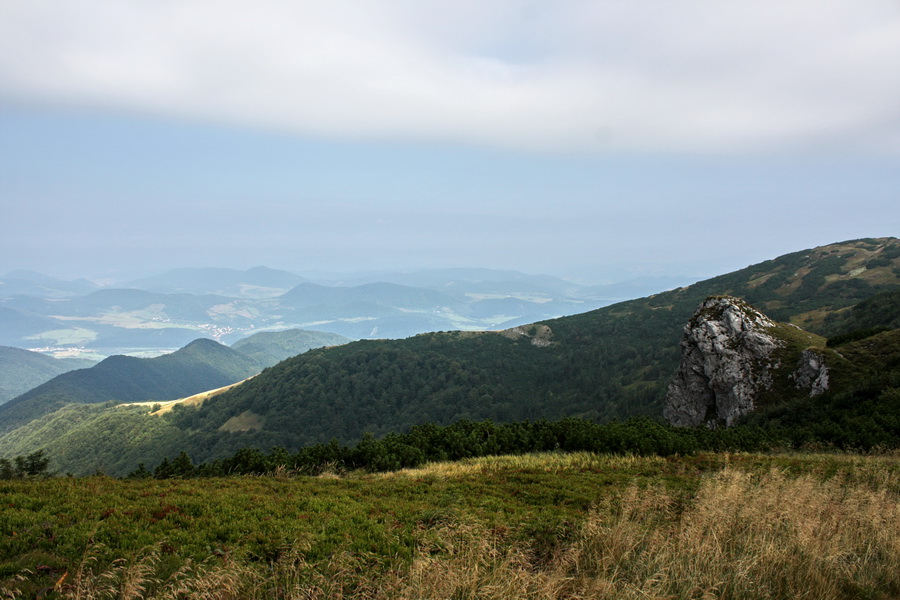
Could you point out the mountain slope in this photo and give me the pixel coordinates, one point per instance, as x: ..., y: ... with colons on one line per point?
x: 201, y: 365
x: 881, y: 310
x: 271, y: 347
x: 21, y: 370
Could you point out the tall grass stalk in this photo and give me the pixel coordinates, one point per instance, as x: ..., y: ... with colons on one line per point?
x: 743, y: 537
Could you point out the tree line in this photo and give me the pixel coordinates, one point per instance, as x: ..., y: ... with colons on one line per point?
x: 470, y: 439
x: 35, y: 464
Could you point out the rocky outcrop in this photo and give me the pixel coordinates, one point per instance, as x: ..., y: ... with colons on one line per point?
x: 727, y: 357
x: 540, y: 335
x: 812, y: 373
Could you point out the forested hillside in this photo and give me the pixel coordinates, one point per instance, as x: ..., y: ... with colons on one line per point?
x: 21, y: 370
x: 614, y: 362
x: 201, y: 365
x: 611, y: 363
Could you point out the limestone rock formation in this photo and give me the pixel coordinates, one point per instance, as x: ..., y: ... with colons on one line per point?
x: 812, y: 372
x: 727, y: 356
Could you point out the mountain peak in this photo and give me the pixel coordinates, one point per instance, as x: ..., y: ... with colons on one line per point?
x: 203, y: 343
x: 203, y: 349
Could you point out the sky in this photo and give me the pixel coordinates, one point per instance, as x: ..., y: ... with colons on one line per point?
x: 591, y: 139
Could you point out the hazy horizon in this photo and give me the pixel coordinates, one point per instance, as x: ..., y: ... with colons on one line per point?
x: 341, y: 277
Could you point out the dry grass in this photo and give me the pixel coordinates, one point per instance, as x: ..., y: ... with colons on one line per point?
x: 549, y: 462
x: 195, y: 400
x: 135, y: 579
x: 743, y: 536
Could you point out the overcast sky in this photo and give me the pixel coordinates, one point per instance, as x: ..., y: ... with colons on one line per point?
x: 594, y: 139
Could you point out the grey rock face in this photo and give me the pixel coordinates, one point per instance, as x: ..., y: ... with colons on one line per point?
x: 811, y: 373
x: 726, y: 357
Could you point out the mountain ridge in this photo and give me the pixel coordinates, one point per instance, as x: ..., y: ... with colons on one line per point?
x: 256, y: 282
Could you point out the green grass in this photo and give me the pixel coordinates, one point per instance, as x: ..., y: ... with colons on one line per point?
x: 383, y: 521
x: 65, y: 337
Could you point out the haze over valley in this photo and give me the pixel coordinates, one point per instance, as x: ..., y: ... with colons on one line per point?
x: 161, y: 313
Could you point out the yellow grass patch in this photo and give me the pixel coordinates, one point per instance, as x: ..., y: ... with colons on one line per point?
x: 195, y: 400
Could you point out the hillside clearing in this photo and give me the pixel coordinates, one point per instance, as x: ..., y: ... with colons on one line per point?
x: 195, y: 400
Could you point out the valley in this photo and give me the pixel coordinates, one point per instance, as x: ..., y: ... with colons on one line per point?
x: 156, y: 315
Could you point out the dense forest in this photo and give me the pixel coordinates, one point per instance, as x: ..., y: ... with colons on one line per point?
x: 613, y: 363
x: 862, y: 416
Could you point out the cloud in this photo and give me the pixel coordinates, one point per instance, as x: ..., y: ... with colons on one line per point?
x: 572, y: 75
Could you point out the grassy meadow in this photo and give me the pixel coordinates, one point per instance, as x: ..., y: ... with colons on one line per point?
x: 548, y: 526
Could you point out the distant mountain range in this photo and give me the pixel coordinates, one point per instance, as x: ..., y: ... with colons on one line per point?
x: 164, y: 312
x: 269, y: 348
x: 609, y: 363
x: 30, y: 283
x: 258, y: 282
